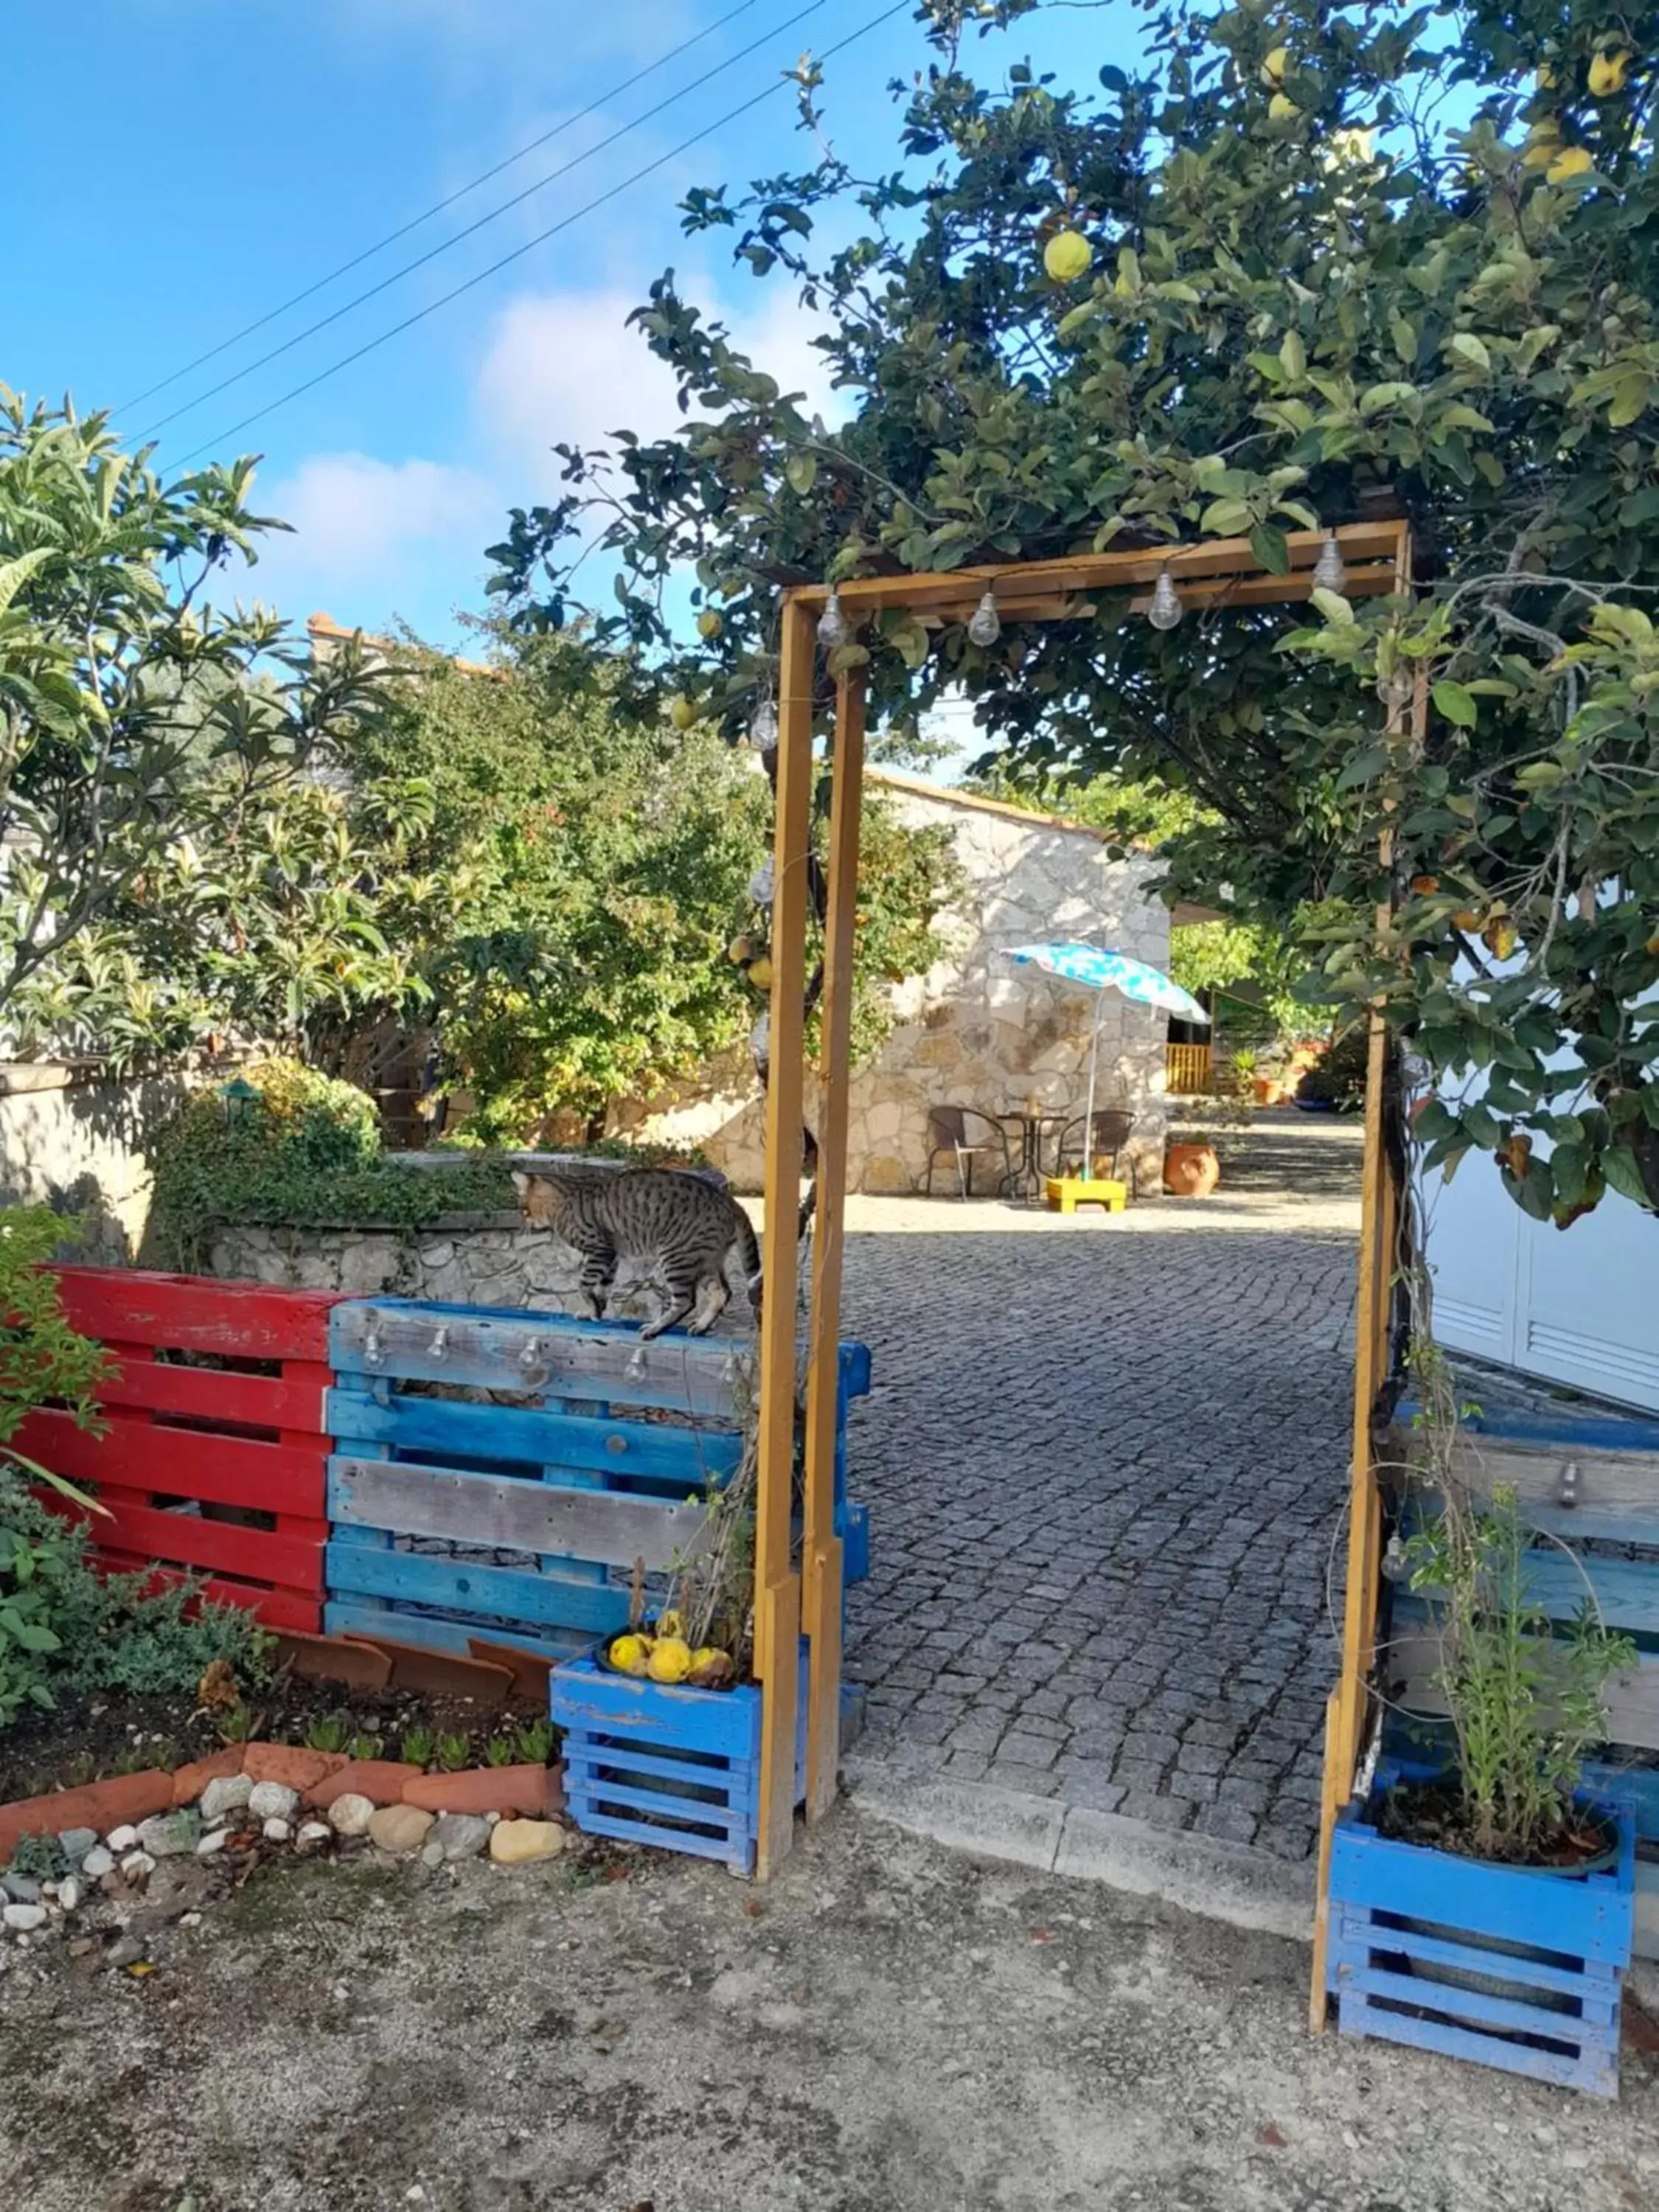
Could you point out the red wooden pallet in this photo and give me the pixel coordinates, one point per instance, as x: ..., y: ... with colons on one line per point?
x: 182, y: 1439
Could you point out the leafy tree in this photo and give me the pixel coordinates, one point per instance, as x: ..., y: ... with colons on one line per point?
x: 174, y: 858
x: 1309, y: 296
x: 578, y: 889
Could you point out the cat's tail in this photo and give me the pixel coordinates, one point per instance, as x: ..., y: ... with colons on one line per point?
x: 748, y: 1246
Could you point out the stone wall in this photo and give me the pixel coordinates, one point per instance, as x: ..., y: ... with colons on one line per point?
x: 976, y: 1030
x: 74, y: 1141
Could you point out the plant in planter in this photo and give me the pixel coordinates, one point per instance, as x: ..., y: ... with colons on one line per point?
x: 1191, y: 1166
x: 1485, y: 1909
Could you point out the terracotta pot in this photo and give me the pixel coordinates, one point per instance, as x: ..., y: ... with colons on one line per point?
x: 1268, y: 1090
x: 1190, y: 1171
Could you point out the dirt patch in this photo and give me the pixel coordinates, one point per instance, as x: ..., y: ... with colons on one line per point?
x: 888, y: 2028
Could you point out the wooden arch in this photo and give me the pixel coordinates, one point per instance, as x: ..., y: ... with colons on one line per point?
x: 791, y: 1601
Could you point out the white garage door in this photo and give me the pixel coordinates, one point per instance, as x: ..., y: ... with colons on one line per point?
x: 1579, y: 1306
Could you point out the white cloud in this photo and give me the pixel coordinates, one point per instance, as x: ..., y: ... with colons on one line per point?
x: 364, y: 529
x: 564, y: 368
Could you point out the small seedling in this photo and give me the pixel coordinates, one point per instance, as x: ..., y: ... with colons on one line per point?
x: 129, y: 1760
x: 330, y: 1736
x: 454, y: 1752
x: 236, y: 1725
x: 500, y: 1751
x: 420, y: 1747
x: 365, y: 1747
x: 537, y: 1740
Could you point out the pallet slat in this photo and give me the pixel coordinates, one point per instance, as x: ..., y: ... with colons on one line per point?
x: 680, y: 1458
x: 146, y: 1458
x: 184, y: 1539
x: 507, y: 1513
x: 197, y: 1313
x: 461, y: 1586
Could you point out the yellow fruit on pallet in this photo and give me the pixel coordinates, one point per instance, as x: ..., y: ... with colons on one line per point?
x: 670, y: 1660
x: 670, y: 1623
x: 1067, y: 256
x: 630, y: 1655
x: 1606, y: 73
x: 1571, y: 162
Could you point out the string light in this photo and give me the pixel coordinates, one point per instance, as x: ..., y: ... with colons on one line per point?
x: 832, y: 622
x: 986, y: 628
x: 1329, y: 574
x: 761, y: 883
x: 763, y: 727
x: 1166, y: 609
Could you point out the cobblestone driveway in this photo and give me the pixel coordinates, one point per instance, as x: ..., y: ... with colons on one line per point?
x: 1105, y: 1462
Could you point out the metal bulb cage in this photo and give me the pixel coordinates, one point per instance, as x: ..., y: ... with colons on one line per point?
x: 1166, y: 609
x: 832, y: 623
x: 763, y: 727
x: 986, y: 626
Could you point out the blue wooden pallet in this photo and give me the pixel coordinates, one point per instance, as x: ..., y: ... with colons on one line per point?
x: 653, y: 1763
x: 1512, y: 1968
x: 576, y: 1478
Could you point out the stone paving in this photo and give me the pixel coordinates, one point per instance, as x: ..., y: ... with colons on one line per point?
x: 1106, y: 1463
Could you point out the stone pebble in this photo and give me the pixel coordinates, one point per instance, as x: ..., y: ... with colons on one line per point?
x: 272, y: 1801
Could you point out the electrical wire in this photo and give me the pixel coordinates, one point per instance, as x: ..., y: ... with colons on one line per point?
x: 505, y: 207
x: 321, y: 283
x: 530, y: 245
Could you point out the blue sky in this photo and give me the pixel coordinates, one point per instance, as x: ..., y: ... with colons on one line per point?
x: 200, y: 160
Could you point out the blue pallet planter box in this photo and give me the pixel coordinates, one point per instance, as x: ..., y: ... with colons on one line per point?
x: 654, y: 1763
x: 1508, y: 1967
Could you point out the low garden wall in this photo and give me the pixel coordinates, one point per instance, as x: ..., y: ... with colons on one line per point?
x: 473, y: 1259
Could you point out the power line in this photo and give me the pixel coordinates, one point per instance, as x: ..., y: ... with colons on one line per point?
x: 438, y: 206
x: 530, y: 245
x: 623, y: 131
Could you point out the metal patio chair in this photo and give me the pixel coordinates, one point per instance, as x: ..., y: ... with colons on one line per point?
x: 948, y: 1131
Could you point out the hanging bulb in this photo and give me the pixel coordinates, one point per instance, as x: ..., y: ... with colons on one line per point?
x: 636, y: 1365
x: 764, y: 728
x: 986, y: 628
x: 1396, y: 1565
x: 1166, y: 609
x: 760, y: 883
x: 1329, y: 574
x: 832, y: 623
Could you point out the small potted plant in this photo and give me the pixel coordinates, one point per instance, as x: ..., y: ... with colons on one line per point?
x: 1483, y: 1906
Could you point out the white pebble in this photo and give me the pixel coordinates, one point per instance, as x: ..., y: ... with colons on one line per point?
x: 189, y: 1919
x: 69, y: 1893
x: 214, y: 1841
x: 137, y: 1865
x: 97, y: 1863
x: 273, y: 1800
x: 314, y: 1831
x: 121, y: 1839
x: 22, y: 1918
x: 351, y: 1814
x: 277, y: 1831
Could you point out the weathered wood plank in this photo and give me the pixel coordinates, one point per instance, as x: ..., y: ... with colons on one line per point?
x: 539, y: 1353
x: 462, y: 1586
x: 1413, y: 1661
x: 143, y: 1456
x: 364, y: 1617
x: 503, y: 1513
x: 196, y: 1313
x: 680, y: 1459
x: 1615, y: 1492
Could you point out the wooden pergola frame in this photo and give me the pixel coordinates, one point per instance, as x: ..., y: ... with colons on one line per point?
x: 792, y: 1601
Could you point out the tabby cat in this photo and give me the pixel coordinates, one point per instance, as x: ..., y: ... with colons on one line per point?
x: 681, y: 1226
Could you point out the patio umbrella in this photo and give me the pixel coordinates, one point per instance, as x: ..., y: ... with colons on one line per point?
x: 1102, y: 971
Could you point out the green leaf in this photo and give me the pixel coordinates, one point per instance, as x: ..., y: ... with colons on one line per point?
x: 1630, y: 399
x: 1293, y: 356
x: 1464, y: 346
x: 1456, y: 703
x: 1334, y: 607
x: 1225, y: 518
x: 1364, y: 767
x: 1270, y: 548
x: 1624, y: 1174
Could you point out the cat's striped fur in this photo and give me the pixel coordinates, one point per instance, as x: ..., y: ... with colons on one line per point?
x: 682, y: 1226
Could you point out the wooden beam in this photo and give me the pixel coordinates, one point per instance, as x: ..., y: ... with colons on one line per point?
x: 1219, y: 558
x: 777, y: 1587
x: 1379, y: 1219
x: 821, y: 1554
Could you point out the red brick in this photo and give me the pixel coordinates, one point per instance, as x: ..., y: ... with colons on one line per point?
x: 189, y: 1782
x: 531, y: 1674
x: 124, y: 1798
x: 289, y: 1763
x: 382, y: 1781
x: 446, y: 1673
x: 532, y: 1790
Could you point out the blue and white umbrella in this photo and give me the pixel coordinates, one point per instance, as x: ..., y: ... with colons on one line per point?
x: 1096, y: 970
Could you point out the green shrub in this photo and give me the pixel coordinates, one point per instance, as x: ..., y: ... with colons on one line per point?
x: 302, y: 1152
x: 1339, y: 1078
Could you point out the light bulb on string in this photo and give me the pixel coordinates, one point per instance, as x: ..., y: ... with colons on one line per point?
x: 986, y: 626
x: 763, y: 727
x: 761, y: 883
x: 832, y: 622
x: 1166, y: 609
x: 1329, y: 574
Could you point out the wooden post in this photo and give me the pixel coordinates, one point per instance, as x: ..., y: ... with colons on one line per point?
x: 777, y: 1587
x: 821, y: 1553
x: 1380, y: 1214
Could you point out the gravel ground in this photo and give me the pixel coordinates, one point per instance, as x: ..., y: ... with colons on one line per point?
x: 888, y: 2028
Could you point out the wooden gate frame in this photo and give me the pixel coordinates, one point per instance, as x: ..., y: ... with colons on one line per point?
x: 791, y: 1601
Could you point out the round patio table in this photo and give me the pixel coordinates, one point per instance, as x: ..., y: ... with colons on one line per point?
x: 1025, y: 1180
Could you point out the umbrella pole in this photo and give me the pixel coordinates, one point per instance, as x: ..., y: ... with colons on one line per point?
x: 1089, y: 1111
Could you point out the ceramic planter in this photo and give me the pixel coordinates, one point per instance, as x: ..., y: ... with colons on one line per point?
x: 1190, y: 1171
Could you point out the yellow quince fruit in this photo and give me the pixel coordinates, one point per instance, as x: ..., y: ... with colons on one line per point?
x: 710, y: 624
x: 759, y: 973
x: 1067, y: 256
x: 628, y: 1654
x: 670, y: 1660
x: 1281, y: 109
x: 1606, y: 73
x: 681, y: 712
x: 1543, y: 145
x: 1571, y: 162
x: 1273, y: 65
